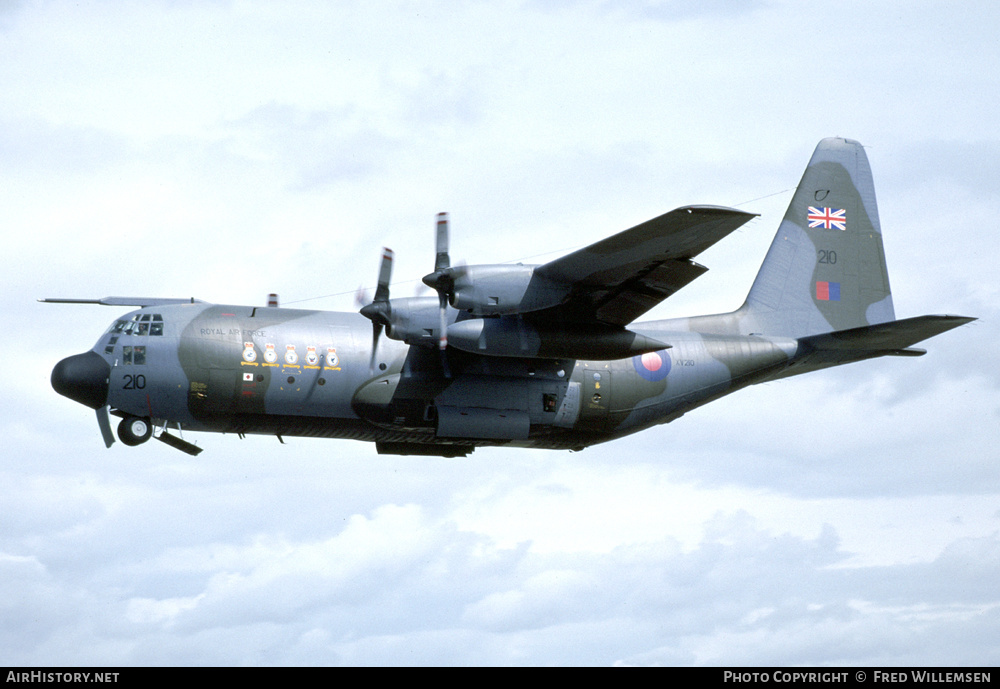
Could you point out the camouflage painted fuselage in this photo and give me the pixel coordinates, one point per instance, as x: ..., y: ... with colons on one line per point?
x: 293, y: 372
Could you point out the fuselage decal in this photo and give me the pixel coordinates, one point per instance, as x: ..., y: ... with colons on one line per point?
x: 827, y: 218
x: 652, y: 366
x: 828, y: 291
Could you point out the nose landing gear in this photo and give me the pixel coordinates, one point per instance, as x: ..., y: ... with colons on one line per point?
x: 134, y: 430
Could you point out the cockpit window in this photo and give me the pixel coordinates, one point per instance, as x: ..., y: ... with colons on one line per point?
x: 133, y: 355
x: 141, y: 324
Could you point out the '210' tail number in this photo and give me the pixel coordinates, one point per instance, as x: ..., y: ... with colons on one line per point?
x: 131, y: 382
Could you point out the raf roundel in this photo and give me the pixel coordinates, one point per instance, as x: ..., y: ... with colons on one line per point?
x: 652, y: 366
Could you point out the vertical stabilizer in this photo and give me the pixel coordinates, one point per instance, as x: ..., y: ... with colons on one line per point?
x: 825, y: 269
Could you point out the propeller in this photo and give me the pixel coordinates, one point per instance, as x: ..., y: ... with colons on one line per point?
x: 442, y: 279
x: 379, y: 310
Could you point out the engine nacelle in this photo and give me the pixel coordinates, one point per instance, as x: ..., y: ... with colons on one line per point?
x: 414, y: 320
x: 499, y: 290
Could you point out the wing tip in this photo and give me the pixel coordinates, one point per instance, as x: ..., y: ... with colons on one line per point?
x: 709, y: 209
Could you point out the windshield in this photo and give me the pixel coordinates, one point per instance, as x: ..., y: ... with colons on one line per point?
x: 141, y: 324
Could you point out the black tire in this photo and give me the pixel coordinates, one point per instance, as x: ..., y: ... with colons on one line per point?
x: 134, y: 430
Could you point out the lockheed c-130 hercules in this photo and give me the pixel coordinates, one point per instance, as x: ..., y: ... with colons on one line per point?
x: 542, y: 356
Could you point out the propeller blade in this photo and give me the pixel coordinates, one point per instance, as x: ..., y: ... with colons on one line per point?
x: 443, y: 333
x: 442, y: 279
x: 384, y: 274
x: 379, y: 310
x: 376, y: 333
x: 443, y: 324
x: 442, y: 261
x: 104, y: 421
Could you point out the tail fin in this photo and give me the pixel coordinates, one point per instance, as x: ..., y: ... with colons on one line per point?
x: 825, y: 269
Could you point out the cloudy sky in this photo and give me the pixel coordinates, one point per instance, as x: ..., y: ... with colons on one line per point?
x: 227, y: 149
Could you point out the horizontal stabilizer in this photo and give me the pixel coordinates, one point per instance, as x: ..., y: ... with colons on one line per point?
x: 894, y: 338
x: 894, y: 335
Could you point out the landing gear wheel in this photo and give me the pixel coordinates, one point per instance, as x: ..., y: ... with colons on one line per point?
x: 134, y: 431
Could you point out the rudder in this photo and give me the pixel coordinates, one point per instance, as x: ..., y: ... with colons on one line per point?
x: 825, y: 269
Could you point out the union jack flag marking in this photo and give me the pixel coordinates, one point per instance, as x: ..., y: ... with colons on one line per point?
x: 827, y: 218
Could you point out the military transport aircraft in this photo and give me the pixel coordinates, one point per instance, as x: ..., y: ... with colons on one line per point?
x: 543, y: 356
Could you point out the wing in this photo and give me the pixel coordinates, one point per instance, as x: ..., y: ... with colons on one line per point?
x: 622, y: 277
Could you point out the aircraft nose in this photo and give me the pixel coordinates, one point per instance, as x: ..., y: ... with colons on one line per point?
x: 83, y: 378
